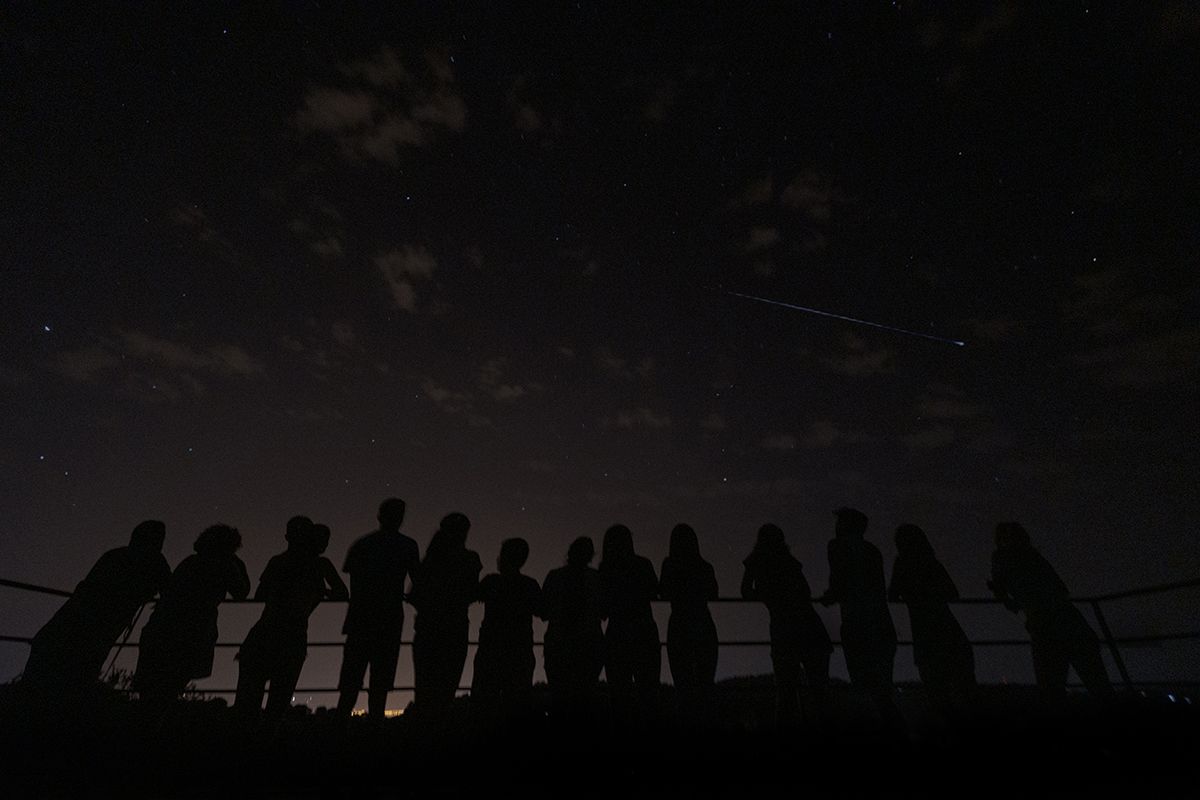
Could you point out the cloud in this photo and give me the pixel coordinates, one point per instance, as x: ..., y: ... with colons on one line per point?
x: 454, y: 402
x: 949, y: 408
x: 821, y: 434
x: 155, y: 367
x: 401, y: 268
x: 193, y: 219
x: 1168, y: 357
x: 637, y: 418
x: 330, y: 248
x: 1136, y: 335
x: 658, y: 105
x: 783, y: 441
x: 759, y: 192
x: 493, y: 383
x: 997, y: 329
x: 84, y: 364
x: 620, y: 368
x: 386, y: 109
x: 929, y: 438
x: 343, y: 333
x: 221, y: 360
x: 528, y: 120
x: 762, y: 238
x: 812, y: 194
x: 858, y: 360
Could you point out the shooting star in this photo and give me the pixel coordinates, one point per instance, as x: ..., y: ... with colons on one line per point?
x: 955, y: 342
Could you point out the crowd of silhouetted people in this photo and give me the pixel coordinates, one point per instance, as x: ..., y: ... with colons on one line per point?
x: 597, y: 619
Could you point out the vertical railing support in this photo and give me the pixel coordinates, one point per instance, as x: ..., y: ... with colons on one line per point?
x: 1112, y: 644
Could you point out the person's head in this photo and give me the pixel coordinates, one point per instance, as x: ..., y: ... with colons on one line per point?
x: 391, y: 514
x: 581, y: 552
x: 513, y: 555
x: 684, y: 544
x: 770, y: 540
x: 912, y: 541
x: 218, y: 540
x: 148, y: 535
x: 298, y: 529
x: 850, y: 522
x: 618, y: 544
x: 455, y: 527
x: 320, y: 538
x: 1010, y: 535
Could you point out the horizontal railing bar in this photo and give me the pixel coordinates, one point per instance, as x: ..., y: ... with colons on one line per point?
x: 1145, y: 639
x: 1157, y: 589
x: 335, y: 690
x: 29, y: 587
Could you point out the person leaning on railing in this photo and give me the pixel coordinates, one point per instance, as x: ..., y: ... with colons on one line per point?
x: 1059, y: 635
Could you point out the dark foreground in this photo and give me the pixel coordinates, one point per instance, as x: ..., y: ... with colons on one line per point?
x: 1008, y: 745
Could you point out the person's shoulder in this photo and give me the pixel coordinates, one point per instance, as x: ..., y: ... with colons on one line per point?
x: 364, y: 542
x: 530, y: 583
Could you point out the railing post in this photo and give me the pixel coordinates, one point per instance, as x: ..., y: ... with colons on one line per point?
x: 1112, y: 644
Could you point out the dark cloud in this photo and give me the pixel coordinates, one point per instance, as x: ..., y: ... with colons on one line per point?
x: 386, y: 109
x: 402, y: 269
x: 641, y: 417
x: 857, y: 359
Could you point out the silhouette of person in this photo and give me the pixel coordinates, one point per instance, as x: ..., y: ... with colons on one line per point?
x: 858, y: 586
x: 378, y: 565
x: 942, y: 652
x: 632, y: 649
x: 1059, y: 635
x: 444, y: 586
x: 292, y: 586
x: 688, y: 582
x: 178, y: 641
x: 504, y: 661
x: 68, y: 652
x: 574, y: 640
x: 799, y: 641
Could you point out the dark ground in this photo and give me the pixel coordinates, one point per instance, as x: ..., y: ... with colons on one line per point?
x: 1009, y: 745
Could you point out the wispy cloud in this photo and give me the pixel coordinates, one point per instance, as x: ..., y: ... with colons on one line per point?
x: 620, y: 368
x: 641, y: 417
x: 929, y: 438
x: 383, y: 108
x: 155, y: 366
x: 857, y: 359
x: 496, y: 384
x: 401, y: 269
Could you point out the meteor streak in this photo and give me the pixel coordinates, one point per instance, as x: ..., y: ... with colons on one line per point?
x: 955, y: 342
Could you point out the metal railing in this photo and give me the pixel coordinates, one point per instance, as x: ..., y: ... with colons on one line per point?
x: 1094, y: 602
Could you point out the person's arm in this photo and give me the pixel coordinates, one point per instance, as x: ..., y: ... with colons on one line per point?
x: 649, y: 581
x: 836, y: 591
x: 336, y: 586
x: 895, y: 589
x: 239, y: 586
x: 536, y: 599
x: 547, y: 601
x: 999, y: 584
x: 946, y: 588
x: 666, y: 581
x: 749, y: 585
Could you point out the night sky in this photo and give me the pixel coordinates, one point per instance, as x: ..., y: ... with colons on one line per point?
x: 258, y: 265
